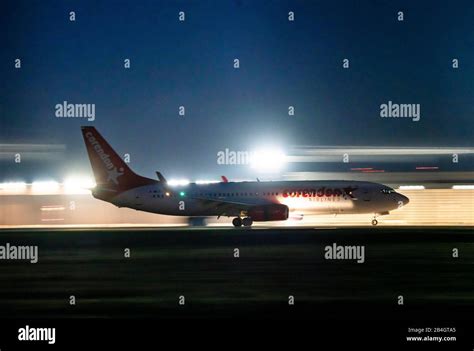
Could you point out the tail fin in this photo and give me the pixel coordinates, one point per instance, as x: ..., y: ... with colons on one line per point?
x: 110, y: 171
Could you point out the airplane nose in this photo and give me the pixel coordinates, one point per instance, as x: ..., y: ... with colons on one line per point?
x: 403, y: 199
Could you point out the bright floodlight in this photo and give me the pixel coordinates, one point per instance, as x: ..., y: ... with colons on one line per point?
x: 13, y: 186
x: 267, y: 160
x: 45, y: 187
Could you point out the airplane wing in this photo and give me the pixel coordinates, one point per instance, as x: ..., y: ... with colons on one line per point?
x: 225, y: 206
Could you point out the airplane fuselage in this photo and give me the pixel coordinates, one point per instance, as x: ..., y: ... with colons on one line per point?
x: 316, y: 197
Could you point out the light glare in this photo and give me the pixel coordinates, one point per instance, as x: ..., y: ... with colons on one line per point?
x: 178, y: 182
x: 267, y: 160
x: 78, y: 185
x: 13, y: 186
x: 45, y: 186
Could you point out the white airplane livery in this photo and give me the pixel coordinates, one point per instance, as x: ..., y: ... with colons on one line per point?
x: 248, y: 202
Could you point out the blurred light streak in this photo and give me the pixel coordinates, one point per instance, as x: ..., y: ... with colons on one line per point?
x: 463, y: 187
x: 423, y: 168
x: 411, y: 187
x: 178, y: 182
x: 375, y: 150
x: 13, y: 186
x: 52, y: 208
x: 203, y: 182
x: 45, y: 186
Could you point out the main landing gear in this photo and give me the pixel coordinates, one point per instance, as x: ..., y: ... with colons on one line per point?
x: 375, y: 222
x: 237, y: 222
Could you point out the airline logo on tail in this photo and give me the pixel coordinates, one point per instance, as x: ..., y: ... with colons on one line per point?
x: 112, y: 172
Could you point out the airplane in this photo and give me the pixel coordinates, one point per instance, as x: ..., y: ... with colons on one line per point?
x: 246, y: 201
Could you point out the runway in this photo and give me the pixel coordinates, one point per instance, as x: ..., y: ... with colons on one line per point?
x: 198, y: 266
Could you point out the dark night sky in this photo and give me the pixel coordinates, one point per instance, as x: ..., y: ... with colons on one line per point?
x: 282, y: 63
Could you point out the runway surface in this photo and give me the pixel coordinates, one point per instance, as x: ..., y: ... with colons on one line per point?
x: 199, y: 264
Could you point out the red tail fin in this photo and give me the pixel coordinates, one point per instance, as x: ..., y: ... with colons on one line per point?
x: 110, y: 171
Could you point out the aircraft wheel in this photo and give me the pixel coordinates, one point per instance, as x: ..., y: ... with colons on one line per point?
x: 237, y: 222
x: 375, y: 222
x: 247, y: 222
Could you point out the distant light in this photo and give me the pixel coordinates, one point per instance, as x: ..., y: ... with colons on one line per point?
x: 267, y: 160
x: 47, y: 186
x: 182, y: 193
x: 13, y: 186
x: 362, y: 169
x: 411, y: 187
x: 178, y: 182
x: 463, y: 187
x: 424, y: 168
x: 206, y: 181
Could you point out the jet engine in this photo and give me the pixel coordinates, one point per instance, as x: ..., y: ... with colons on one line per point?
x: 264, y: 213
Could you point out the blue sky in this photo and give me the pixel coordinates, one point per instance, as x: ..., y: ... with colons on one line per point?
x: 190, y: 63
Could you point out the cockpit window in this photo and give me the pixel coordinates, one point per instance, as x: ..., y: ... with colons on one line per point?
x: 387, y: 191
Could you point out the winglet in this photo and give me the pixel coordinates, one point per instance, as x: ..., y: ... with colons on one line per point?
x: 161, y: 178
x: 224, y: 179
